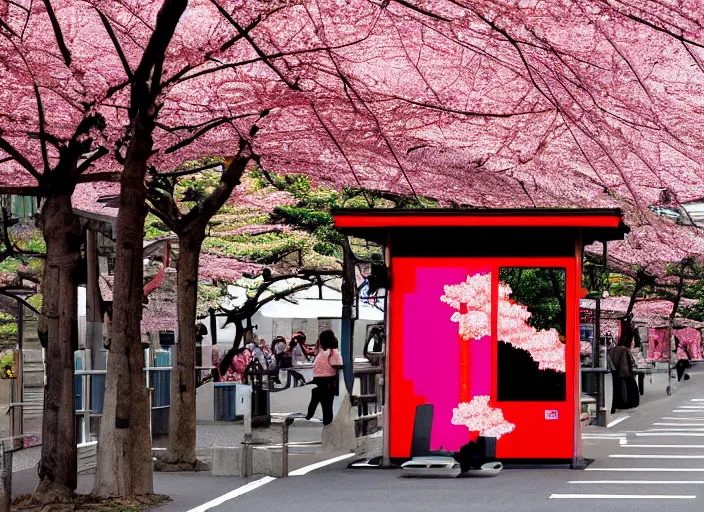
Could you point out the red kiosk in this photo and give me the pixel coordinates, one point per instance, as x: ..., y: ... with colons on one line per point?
x: 483, y: 326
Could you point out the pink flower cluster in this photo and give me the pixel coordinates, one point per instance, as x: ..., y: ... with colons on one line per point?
x: 478, y: 416
x: 475, y: 293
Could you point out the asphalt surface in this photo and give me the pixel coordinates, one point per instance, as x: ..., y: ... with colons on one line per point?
x: 609, y: 483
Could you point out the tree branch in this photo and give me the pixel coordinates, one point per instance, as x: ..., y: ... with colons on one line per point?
x: 254, y: 45
x: 99, y: 153
x: 116, y: 43
x: 229, y: 179
x: 19, y: 158
x: 65, y: 53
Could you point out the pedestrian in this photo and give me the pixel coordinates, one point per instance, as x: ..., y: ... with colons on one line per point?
x: 325, y: 367
x: 300, y: 352
x: 683, y: 358
x: 264, y: 347
x: 625, y: 392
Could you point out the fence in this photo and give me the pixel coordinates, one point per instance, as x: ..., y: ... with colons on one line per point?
x: 89, y: 392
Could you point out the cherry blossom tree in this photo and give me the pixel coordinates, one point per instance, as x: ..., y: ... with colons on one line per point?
x: 505, y: 103
x: 50, y: 133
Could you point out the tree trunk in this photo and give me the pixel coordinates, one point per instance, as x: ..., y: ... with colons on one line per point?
x: 57, y: 466
x: 182, y: 414
x: 124, y: 465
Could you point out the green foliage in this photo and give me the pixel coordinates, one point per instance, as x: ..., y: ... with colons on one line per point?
x: 35, y: 301
x: 542, y: 291
x: 7, y: 358
x: 10, y: 265
x: 8, y: 330
x: 264, y: 248
x: 154, y: 228
x: 305, y: 216
x: 208, y: 297
x: 28, y: 238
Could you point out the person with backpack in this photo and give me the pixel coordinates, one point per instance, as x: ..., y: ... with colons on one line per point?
x: 328, y: 362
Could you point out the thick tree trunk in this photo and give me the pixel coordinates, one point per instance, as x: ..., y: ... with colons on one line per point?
x: 182, y: 415
x: 62, y: 233
x: 124, y: 449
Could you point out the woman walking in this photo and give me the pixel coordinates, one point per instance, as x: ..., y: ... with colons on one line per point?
x: 625, y: 392
x: 327, y: 362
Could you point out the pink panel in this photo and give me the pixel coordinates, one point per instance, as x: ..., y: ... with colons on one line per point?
x: 692, y: 340
x: 657, y: 345
x: 433, y: 350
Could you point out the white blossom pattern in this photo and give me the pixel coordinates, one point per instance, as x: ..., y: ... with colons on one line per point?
x: 478, y: 416
x: 543, y: 346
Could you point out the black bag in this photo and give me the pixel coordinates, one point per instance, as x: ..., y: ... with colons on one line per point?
x: 331, y: 384
x: 475, y: 453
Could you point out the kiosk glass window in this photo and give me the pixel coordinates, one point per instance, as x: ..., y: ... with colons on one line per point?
x: 531, y: 335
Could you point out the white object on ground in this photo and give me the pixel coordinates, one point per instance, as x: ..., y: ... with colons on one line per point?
x: 307, y: 469
x: 486, y: 470
x: 617, y: 421
x: 233, y: 494
x: 431, y: 467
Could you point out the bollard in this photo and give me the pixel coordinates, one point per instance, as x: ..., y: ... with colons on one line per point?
x: 5, y: 479
x: 248, y: 456
x: 284, y: 445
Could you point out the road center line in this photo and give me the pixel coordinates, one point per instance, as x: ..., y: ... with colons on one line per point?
x: 233, y: 494
x: 621, y: 497
x: 307, y: 469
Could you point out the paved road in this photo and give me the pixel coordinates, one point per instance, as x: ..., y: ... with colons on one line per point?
x: 637, y: 468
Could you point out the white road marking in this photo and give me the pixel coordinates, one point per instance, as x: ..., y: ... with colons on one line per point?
x: 318, y: 465
x: 639, y: 456
x: 690, y: 429
x: 679, y: 424
x: 697, y: 399
x: 687, y: 411
x: 688, y: 446
x: 233, y: 494
x: 692, y: 407
x: 649, y: 470
x: 603, y: 438
x: 669, y: 433
x: 638, y: 482
x: 621, y: 497
x: 617, y: 421
x: 682, y: 418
